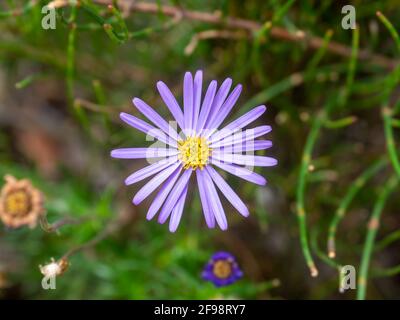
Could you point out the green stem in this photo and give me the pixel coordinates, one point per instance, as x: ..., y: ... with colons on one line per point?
x: 390, y: 28
x: 372, y: 229
x: 70, y: 70
x: 315, y: 60
x: 395, y: 123
x: 387, y: 113
x: 71, y: 56
x: 389, y: 136
x: 261, y: 36
x: 101, y: 100
x: 120, y: 20
x: 320, y: 254
x: 396, y: 108
x: 340, y: 212
x: 107, y: 27
x: 317, y: 124
x: 340, y: 123
x: 386, y: 272
x: 293, y: 80
x: 394, y: 236
x: 351, y: 67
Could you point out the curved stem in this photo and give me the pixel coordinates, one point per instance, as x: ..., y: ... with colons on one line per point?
x: 394, y: 236
x: 340, y: 212
x: 301, y: 185
x: 351, y: 68
x: 389, y: 136
x: 372, y: 229
x: 393, y: 80
x: 386, y: 272
x: 55, y: 226
x: 108, y: 230
x: 320, y: 254
x: 390, y: 28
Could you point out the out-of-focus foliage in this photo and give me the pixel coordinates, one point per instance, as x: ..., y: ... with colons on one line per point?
x: 60, y: 95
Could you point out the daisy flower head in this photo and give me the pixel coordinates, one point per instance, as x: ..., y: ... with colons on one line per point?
x: 20, y: 203
x: 196, y: 150
x: 222, y: 269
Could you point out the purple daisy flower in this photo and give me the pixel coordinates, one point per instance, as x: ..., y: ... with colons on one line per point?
x: 196, y: 150
x: 222, y: 269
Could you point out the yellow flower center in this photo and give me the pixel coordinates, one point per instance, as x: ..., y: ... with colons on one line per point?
x: 222, y: 269
x: 194, y: 152
x: 17, y: 203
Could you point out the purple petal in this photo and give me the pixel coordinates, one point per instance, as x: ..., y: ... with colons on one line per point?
x: 140, y: 153
x: 207, y: 210
x: 154, y: 117
x: 177, y: 211
x: 150, y: 170
x: 242, y: 136
x: 198, y: 81
x: 241, y: 172
x: 153, y: 184
x: 252, y: 145
x: 147, y: 128
x: 215, y: 202
x: 188, y: 100
x: 218, y: 101
x: 228, y: 192
x: 239, y: 123
x: 171, y: 102
x: 163, y: 193
x: 247, y: 160
x: 222, y: 255
x: 226, y: 108
x: 206, y: 106
x: 174, y: 195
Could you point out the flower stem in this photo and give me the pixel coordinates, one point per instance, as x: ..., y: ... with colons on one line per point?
x: 387, y: 113
x: 340, y: 212
x: 317, y: 124
x: 390, y: 28
x: 389, y: 239
x: 372, y: 229
x: 351, y: 67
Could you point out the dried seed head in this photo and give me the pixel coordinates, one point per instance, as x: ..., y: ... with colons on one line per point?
x: 54, y: 268
x: 20, y: 203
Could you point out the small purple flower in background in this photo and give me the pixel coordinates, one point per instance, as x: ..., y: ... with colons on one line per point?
x: 222, y: 269
x: 193, y: 151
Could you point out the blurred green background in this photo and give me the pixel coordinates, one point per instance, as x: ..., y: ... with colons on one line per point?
x: 61, y: 92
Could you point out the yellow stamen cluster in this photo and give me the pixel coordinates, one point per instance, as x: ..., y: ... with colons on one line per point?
x: 222, y: 269
x: 17, y: 203
x: 194, y: 152
x: 20, y: 203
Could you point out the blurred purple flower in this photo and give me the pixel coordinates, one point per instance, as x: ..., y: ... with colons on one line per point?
x: 194, y: 150
x: 222, y: 269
